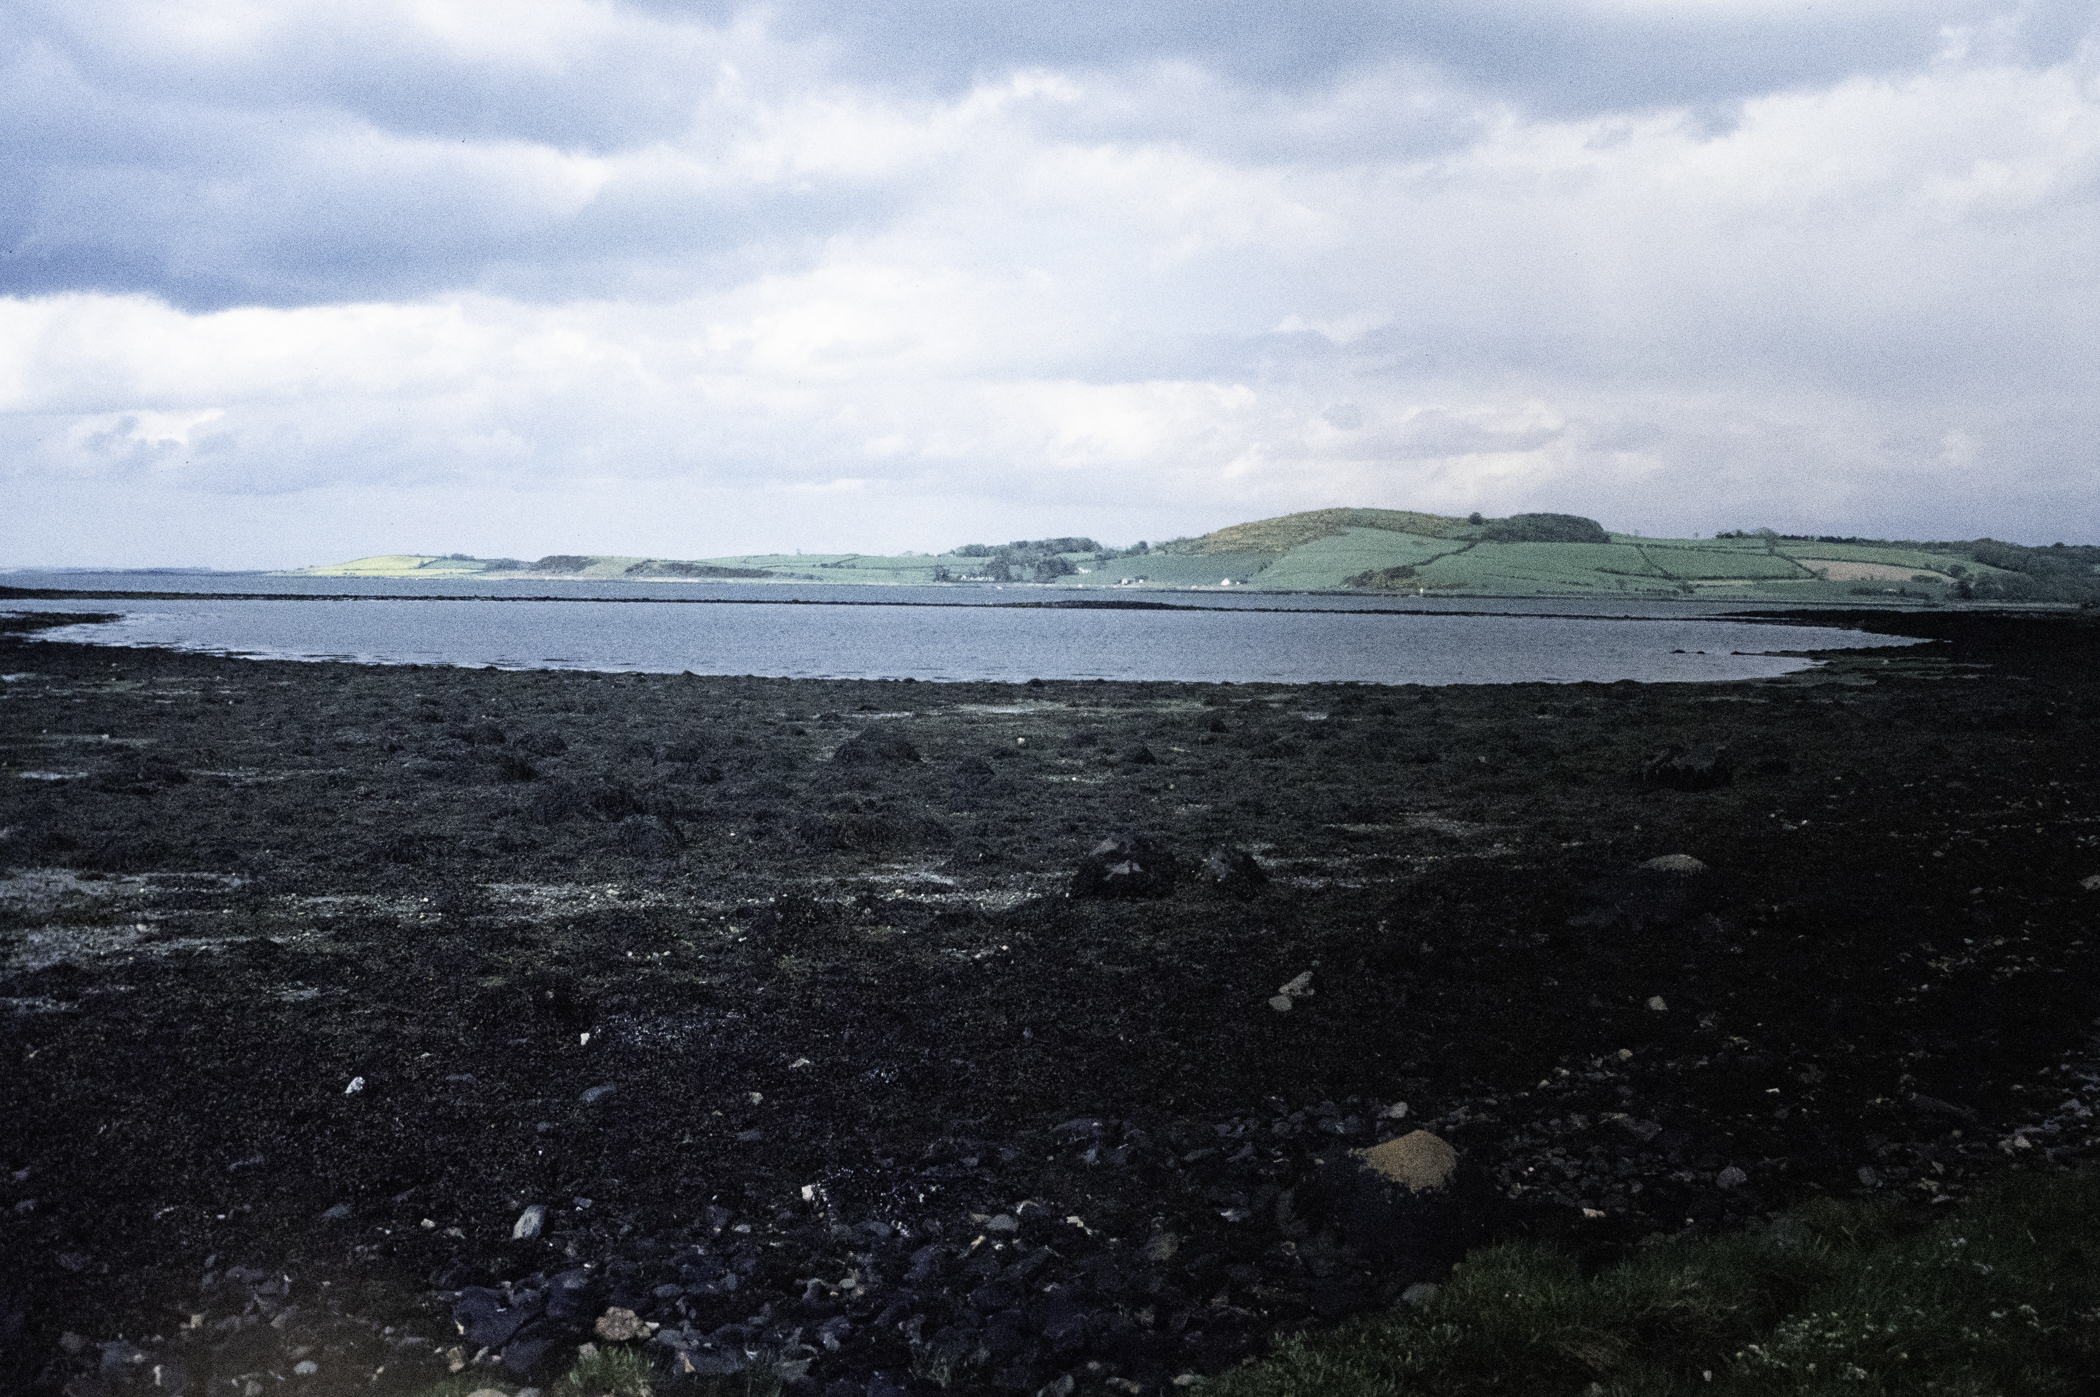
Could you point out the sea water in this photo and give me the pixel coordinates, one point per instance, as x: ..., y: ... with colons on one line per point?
x: 936, y: 633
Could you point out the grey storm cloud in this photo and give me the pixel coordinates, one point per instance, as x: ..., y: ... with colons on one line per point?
x: 1565, y: 58
x: 338, y: 157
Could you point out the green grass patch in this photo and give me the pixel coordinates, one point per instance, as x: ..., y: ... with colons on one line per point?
x: 1836, y: 1298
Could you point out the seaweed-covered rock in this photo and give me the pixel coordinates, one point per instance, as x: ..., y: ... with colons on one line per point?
x: 1404, y: 1203
x: 1687, y: 769
x: 876, y: 745
x: 648, y: 837
x: 1125, y: 865
x: 1233, y: 870
x: 1659, y: 893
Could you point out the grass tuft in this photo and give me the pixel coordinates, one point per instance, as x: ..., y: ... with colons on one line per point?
x: 1834, y: 1298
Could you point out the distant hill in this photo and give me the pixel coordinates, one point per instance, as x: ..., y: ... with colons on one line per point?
x: 1390, y: 551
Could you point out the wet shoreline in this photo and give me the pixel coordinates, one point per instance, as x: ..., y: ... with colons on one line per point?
x: 234, y: 887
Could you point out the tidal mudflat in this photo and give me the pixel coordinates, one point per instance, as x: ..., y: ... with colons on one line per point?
x: 363, y: 1022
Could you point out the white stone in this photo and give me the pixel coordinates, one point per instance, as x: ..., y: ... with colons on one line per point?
x: 529, y: 1223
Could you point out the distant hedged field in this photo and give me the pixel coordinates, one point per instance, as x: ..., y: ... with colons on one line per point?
x: 1399, y: 552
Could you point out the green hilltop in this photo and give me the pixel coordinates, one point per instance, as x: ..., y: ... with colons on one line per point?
x: 1385, y: 552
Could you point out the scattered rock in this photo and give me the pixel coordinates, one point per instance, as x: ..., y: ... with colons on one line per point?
x: 2092, y: 884
x: 1125, y: 865
x: 1140, y: 755
x: 1933, y: 1106
x: 1658, y: 1004
x: 529, y: 1223
x: 1162, y: 1247
x: 1869, y: 1176
x: 1687, y: 769
x: 357, y: 1084
x: 1299, y: 987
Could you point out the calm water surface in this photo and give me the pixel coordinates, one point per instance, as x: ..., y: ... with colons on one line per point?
x: 847, y: 632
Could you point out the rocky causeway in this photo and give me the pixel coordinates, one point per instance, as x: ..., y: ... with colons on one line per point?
x: 367, y: 1028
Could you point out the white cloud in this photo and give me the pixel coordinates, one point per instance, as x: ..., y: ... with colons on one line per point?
x: 591, y: 252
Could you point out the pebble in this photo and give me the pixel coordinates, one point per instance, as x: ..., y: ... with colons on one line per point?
x: 597, y: 1093
x: 305, y: 1368
x: 1420, y: 1293
x: 529, y: 1223
x: 357, y: 1084
x: 1731, y: 1177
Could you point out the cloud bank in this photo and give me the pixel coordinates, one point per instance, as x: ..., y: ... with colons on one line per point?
x: 286, y: 283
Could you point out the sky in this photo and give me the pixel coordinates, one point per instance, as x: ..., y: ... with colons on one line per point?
x: 292, y: 282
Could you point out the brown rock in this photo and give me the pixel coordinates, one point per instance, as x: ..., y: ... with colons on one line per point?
x: 1421, y: 1161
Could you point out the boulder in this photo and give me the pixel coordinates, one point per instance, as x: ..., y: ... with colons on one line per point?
x: 1405, y: 1204
x: 1678, y: 768
x: 1125, y: 865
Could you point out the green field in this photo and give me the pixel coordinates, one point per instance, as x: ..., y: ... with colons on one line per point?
x: 1394, y: 552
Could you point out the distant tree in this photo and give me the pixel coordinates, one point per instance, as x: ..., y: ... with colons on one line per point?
x: 1545, y: 528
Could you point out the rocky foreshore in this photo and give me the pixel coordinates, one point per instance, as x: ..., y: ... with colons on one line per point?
x: 371, y: 1027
